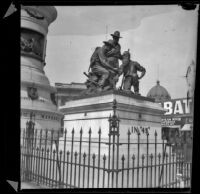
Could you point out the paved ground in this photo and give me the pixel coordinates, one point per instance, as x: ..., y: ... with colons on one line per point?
x: 31, y: 185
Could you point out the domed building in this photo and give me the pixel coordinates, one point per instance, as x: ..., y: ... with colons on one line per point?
x: 159, y: 93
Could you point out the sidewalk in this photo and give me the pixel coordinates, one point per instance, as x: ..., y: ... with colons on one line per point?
x: 32, y: 185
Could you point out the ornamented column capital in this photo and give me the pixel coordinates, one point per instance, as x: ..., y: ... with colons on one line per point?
x: 41, y: 12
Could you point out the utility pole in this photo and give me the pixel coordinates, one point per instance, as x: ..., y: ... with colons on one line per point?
x: 157, y: 72
x: 106, y: 32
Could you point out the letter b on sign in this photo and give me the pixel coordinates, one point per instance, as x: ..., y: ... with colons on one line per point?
x: 168, y: 106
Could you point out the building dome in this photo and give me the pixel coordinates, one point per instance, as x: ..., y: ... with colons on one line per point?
x: 159, y: 93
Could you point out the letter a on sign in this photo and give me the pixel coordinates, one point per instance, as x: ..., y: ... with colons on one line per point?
x: 178, y: 107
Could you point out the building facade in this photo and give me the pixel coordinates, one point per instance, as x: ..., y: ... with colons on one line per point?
x: 177, y: 121
x: 66, y: 92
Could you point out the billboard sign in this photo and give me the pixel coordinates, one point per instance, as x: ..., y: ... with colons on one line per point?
x: 178, y: 112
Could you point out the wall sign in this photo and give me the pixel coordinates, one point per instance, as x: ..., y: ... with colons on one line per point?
x: 177, y: 106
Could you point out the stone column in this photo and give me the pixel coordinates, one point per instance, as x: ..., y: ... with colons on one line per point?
x: 37, y: 95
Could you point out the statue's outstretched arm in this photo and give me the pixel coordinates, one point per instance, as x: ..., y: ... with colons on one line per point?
x: 141, y: 69
x: 143, y: 73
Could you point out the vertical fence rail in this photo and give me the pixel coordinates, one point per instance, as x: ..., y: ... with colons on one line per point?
x: 51, y: 148
x: 84, y: 157
x: 67, y: 173
x: 47, y: 177
x: 147, y: 159
x: 80, y: 154
x: 99, y: 156
x: 155, y: 159
x: 45, y: 157
x: 64, y: 157
x: 151, y: 163
x: 89, y: 153
x: 143, y: 158
x: 93, y: 169
x: 173, y: 169
x: 38, y: 173
x: 34, y: 155
x: 113, y: 158
x: 128, y: 155
x: 170, y: 155
x: 133, y: 170
x: 41, y: 166
x: 75, y: 165
x: 53, y: 171
x: 138, y: 157
x: 123, y: 159
x: 109, y: 147
x: 104, y: 164
x: 167, y: 168
x: 71, y: 161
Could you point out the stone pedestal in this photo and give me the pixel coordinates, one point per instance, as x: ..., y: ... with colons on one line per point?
x: 136, y: 114
x: 37, y: 95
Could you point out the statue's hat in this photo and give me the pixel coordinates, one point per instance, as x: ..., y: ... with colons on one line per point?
x: 126, y: 53
x: 116, y: 34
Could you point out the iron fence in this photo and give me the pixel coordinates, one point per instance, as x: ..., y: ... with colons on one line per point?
x: 74, y: 160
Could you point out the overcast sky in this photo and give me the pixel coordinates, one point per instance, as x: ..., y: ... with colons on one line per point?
x: 160, y: 38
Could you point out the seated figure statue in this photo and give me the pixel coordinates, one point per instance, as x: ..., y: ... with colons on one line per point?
x: 129, y: 70
x: 102, y: 75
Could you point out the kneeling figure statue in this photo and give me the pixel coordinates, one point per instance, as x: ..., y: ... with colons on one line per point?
x: 102, y: 75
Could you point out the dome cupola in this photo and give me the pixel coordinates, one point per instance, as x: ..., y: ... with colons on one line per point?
x: 159, y: 93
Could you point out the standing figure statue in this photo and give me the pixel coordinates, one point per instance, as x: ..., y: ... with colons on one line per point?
x: 129, y: 69
x: 102, y: 73
x: 115, y: 53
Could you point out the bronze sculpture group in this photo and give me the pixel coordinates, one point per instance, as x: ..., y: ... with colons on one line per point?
x: 104, y: 70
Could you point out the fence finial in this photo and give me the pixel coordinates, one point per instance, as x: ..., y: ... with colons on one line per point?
x: 114, y: 107
x: 90, y: 130
x: 99, y: 132
x: 81, y: 131
x: 129, y: 132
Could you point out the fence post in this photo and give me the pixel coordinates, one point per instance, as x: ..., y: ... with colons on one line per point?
x: 57, y: 159
x: 113, y: 131
x: 29, y: 145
